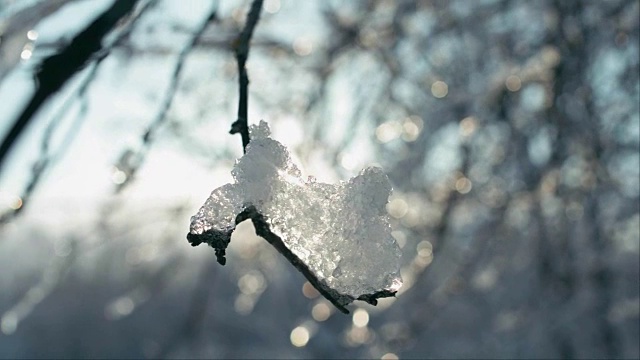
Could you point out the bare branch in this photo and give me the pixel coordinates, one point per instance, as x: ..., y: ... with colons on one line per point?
x: 219, y: 240
x: 241, y: 46
x: 56, y: 70
x: 47, y: 156
x: 161, y: 116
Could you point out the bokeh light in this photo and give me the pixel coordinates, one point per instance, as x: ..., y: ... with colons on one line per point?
x: 299, y: 336
x: 360, y: 318
x: 439, y: 89
x: 321, y: 311
x: 272, y: 6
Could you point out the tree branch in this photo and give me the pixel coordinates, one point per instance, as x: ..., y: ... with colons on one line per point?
x: 241, y: 47
x: 47, y: 156
x: 219, y: 240
x: 161, y: 116
x: 56, y: 70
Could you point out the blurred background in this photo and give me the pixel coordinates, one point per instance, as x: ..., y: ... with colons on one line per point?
x: 510, y: 131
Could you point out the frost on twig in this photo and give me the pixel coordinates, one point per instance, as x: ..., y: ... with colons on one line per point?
x: 338, y: 235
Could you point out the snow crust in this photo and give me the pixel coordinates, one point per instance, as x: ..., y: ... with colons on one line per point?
x: 340, y: 231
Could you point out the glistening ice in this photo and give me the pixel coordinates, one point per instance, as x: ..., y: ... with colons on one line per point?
x: 339, y: 231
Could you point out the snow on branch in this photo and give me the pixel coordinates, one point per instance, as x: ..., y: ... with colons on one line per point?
x: 338, y: 235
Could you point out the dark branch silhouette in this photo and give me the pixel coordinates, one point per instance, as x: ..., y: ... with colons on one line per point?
x: 241, y: 47
x: 57, y: 69
x: 47, y: 157
x: 219, y: 241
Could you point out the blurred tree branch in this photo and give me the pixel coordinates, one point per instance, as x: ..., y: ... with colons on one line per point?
x: 131, y: 160
x: 57, y: 69
x: 47, y: 156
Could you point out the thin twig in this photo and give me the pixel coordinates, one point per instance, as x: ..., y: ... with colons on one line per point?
x: 241, y: 47
x: 161, y: 116
x: 219, y: 240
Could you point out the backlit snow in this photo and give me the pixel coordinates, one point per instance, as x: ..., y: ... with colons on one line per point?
x: 341, y: 232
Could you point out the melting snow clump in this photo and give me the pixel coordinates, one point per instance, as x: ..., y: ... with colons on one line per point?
x: 339, y: 231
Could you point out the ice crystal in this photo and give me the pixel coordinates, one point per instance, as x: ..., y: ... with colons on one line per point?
x: 340, y: 232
